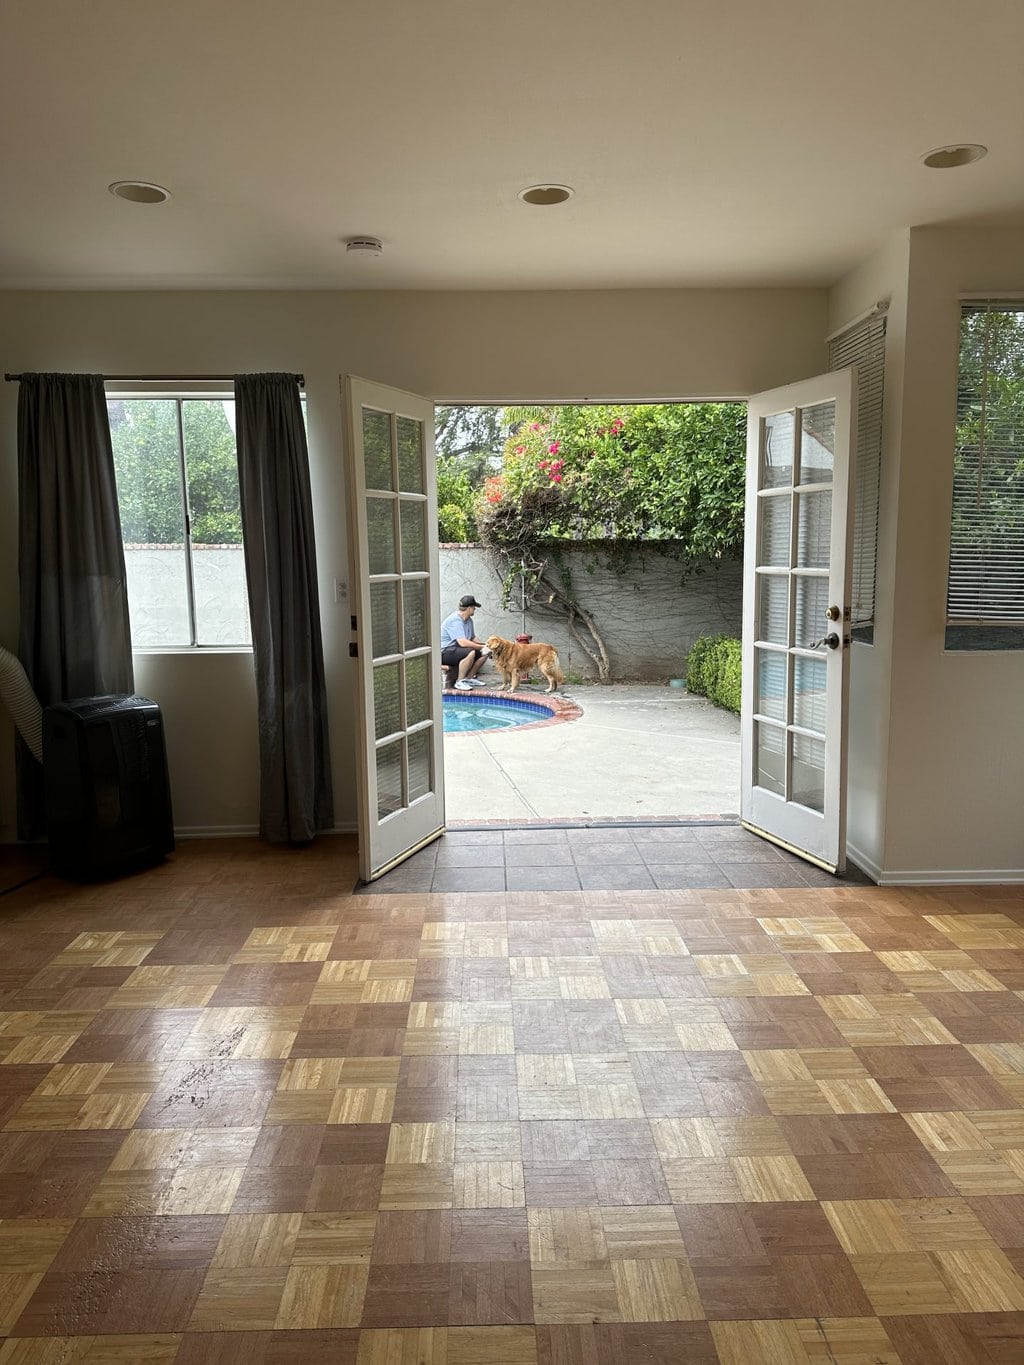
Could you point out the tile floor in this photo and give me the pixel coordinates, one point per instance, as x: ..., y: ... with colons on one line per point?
x: 627, y: 857
x: 246, y: 1116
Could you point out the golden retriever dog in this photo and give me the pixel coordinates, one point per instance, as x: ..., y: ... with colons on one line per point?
x: 515, y: 661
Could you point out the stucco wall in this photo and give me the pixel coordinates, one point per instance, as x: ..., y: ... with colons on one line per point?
x: 648, y: 616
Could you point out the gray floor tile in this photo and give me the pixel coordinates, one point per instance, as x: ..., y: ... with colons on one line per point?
x: 622, y: 855
x: 758, y: 852
x: 471, y: 855
x: 541, y: 879
x: 616, y: 877
x: 469, y: 879
x: 538, y: 855
x: 681, y: 853
x: 695, y: 877
x: 757, y: 876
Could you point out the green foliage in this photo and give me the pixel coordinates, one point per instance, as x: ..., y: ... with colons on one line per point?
x: 456, y: 502
x: 144, y: 434
x: 714, y: 670
x: 654, y: 472
x: 988, y: 504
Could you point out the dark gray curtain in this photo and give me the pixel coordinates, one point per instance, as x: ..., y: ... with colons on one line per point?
x: 75, y: 639
x: 280, y: 565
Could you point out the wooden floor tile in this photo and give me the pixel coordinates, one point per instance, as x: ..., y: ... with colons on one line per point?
x: 250, y: 1119
x: 322, y: 1296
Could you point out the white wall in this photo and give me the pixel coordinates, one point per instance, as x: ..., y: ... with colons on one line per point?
x: 937, y: 739
x: 956, y: 771
x: 471, y: 347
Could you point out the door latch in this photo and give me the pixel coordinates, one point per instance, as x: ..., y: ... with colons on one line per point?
x: 832, y: 640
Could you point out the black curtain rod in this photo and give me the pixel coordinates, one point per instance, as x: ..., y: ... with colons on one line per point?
x: 165, y: 378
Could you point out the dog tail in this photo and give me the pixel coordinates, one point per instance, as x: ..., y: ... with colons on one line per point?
x: 556, y: 669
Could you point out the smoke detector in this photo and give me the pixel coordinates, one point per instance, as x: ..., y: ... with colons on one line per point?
x: 364, y: 246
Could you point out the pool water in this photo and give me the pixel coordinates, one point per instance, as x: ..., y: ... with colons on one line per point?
x: 462, y: 715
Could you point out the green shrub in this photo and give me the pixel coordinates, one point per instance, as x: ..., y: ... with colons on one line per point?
x: 714, y: 670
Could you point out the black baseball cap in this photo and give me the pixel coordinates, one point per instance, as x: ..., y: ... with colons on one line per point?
x: 469, y: 601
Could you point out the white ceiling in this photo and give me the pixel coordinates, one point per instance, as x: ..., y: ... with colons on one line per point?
x: 709, y: 142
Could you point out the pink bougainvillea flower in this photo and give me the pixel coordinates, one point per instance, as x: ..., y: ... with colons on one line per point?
x: 535, y: 426
x: 520, y: 450
x: 553, y: 447
x: 556, y: 478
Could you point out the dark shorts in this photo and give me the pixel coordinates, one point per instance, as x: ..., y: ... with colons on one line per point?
x: 454, y: 654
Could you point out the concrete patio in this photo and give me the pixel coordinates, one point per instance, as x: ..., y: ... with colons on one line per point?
x: 639, y: 751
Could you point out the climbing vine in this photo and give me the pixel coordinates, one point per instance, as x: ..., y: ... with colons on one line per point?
x: 621, y: 480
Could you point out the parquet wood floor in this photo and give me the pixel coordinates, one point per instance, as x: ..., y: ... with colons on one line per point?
x: 248, y: 1117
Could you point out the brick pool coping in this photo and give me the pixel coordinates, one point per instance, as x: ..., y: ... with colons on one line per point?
x: 561, y: 708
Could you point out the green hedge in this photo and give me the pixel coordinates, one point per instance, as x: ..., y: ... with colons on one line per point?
x: 714, y: 670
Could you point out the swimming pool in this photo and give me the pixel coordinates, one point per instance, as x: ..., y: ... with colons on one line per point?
x: 465, y: 715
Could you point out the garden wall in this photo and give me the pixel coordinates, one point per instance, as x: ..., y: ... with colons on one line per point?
x: 647, y: 617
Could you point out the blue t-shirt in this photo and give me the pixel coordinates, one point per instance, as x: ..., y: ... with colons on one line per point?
x: 454, y: 628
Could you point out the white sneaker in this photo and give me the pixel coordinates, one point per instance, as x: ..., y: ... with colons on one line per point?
x: 476, y: 682
x: 463, y: 686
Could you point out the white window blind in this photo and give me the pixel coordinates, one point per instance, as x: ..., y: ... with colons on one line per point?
x: 986, y: 559
x: 863, y: 345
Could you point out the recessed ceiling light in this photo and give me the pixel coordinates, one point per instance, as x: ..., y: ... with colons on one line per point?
x: 139, y: 191
x: 365, y: 246
x: 545, y: 194
x: 959, y: 154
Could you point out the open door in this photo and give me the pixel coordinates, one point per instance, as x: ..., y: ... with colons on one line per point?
x: 796, y: 616
x: 396, y: 615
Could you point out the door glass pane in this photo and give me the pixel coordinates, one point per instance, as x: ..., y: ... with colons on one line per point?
x: 809, y: 693
x: 380, y: 535
x: 774, y: 513
x: 410, y: 455
x: 414, y: 536
x: 814, y: 530
x: 414, y: 601
x: 389, y: 779
x: 817, y: 443
x: 811, y: 606
x: 384, y: 618
x: 417, y: 689
x: 773, y: 608
x: 377, y: 449
x: 770, y: 758
x: 777, y: 469
x: 387, y: 712
x: 809, y: 772
x: 771, y: 684
x: 419, y: 765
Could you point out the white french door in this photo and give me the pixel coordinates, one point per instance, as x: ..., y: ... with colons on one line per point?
x: 396, y: 614
x: 796, y: 615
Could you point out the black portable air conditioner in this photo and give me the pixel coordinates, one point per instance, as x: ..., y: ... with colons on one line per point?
x: 108, y: 802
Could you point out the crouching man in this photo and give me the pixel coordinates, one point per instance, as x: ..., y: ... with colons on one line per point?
x: 462, y: 653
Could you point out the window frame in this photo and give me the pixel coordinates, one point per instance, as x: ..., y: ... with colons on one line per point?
x: 181, y: 392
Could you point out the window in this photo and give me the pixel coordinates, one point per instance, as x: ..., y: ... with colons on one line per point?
x: 863, y: 344
x: 177, y: 488
x: 985, y: 599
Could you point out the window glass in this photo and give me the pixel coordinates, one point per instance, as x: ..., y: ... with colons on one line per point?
x: 177, y: 480
x: 985, y: 598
